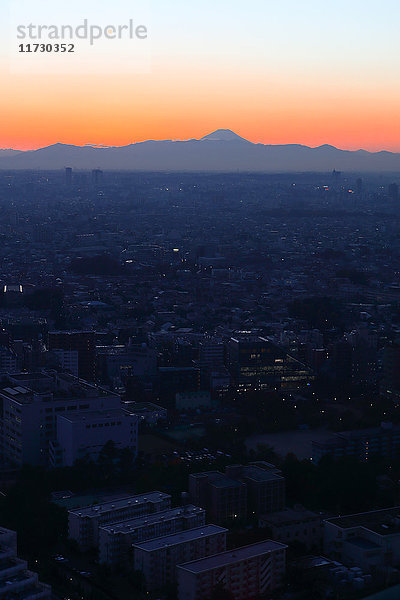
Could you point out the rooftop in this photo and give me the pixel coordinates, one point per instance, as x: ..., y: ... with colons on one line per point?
x: 106, y: 507
x: 362, y: 543
x: 232, y: 556
x: 142, y: 406
x: 218, y: 479
x: 259, y: 474
x: 180, y: 538
x: 60, y: 387
x: 31, y: 376
x: 289, y: 516
x: 95, y: 415
x: 131, y: 525
x: 383, y: 522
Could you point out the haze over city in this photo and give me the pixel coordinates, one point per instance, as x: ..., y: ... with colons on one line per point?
x: 199, y: 300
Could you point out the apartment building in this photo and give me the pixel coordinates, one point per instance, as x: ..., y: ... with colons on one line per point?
x: 266, y: 487
x: 17, y: 582
x: 84, y: 523
x: 246, y: 572
x: 223, y: 498
x: 116, y: 539
x: 158, y: 558
x: 254, y: 489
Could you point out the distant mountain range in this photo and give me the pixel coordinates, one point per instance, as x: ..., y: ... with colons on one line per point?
x: 222, y: 150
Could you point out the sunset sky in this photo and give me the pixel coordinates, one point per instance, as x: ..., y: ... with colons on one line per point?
x: 287, y: 71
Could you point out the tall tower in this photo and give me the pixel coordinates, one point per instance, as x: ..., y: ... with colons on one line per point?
x: 68, y: 175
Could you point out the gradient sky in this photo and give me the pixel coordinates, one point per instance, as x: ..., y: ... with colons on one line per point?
x: 274, y: 71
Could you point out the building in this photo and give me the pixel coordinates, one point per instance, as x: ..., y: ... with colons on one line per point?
x: 193, y: 400
x: 173, y: 380
x: 255, y: 363
x: 246, y: 572
x: 31, y: 404
x: 390, y: 384
x: 157, y: 559
x: 223, y: 498
x: 68, y: 175
x: 68, y: 360
x: 116, y: 540
x: 82, y: 342
x: 361, y: 444
x: 211, y: 353
x: 97, y: 176
x: 146, y: 412
x: 342, y: 359
x: 294, y: 525
x: 84, y: 523
x: 241, y: 491
x: 368, y: 540
x: 8, y: 360
x: 122, y: 363
x: 266, y: 488
x: 83, y: 435
x: 16, y: 581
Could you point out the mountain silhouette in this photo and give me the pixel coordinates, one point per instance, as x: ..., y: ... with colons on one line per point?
x: 224, y: 135
x: 222, y: 150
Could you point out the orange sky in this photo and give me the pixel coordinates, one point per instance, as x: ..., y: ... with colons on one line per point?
x: 274, y: 74
x: 152, y: 107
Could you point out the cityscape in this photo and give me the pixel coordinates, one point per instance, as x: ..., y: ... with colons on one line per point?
x: 199, y: 300
x: 200, y: 389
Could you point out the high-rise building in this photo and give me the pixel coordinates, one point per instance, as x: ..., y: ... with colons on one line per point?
x: 97, y: 176
x: 68, y: 175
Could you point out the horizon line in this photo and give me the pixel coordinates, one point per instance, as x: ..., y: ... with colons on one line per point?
x: 108, y: 147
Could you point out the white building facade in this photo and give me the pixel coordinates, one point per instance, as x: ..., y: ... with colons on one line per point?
x: 157, y: 559
x: 84, y: 435
x: 84, y: 523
